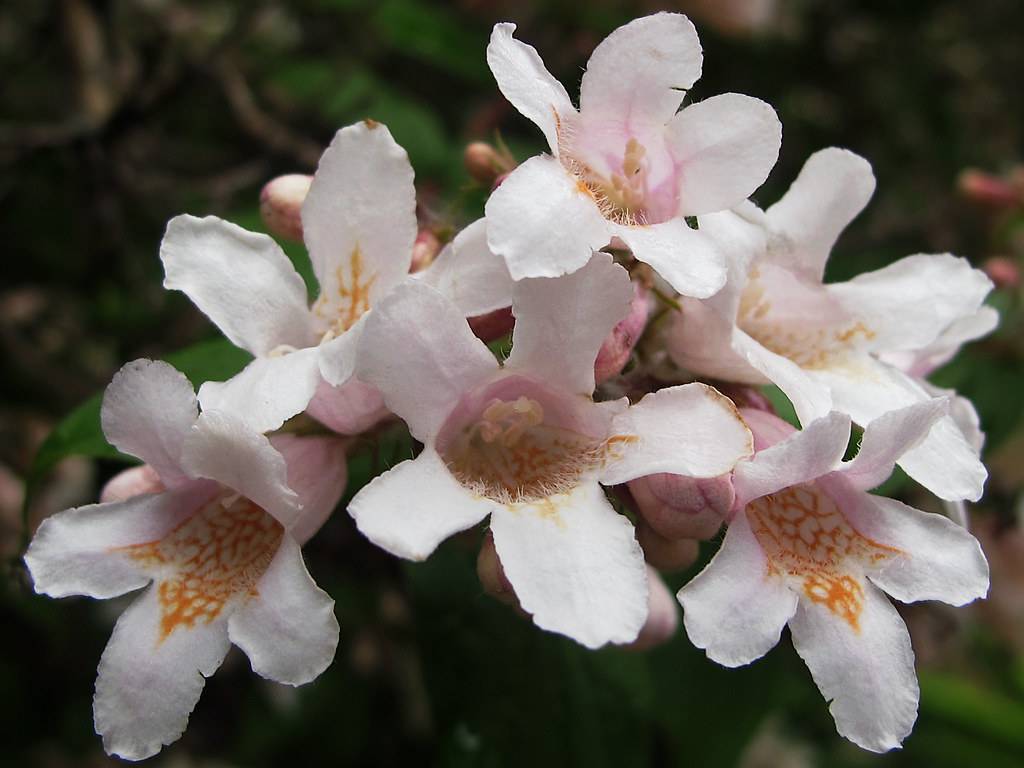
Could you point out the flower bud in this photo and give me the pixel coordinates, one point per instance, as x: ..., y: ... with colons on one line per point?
x: 281, y: 205
x: 668, y: 555
x: 424, y: 250
x: 484, y: 163
x: 130, y: 483
x: 662, y: 615
x: 1002, y: 271
x: 493, y: 325
x: 986, y: 189
x: 492, y: 575
x: 618, y: 346
x: 679, y: 507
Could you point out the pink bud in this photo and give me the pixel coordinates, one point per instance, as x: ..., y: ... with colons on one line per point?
x: 662, y: 615
x: 424, y: 250
x: 669, y: 555
x: 1003, y: 271
x: 616, y: 349
x: 492, y: 575
x: 678, y: 507
x: 493, y: 325
x: 986, y: 189
x: 131, y: 482
x: 281, y: 205
x: 482, y: 162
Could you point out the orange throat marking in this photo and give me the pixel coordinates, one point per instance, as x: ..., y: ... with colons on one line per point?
x: 210, y: 559
x: 352, y: 297
x: 806, y: 538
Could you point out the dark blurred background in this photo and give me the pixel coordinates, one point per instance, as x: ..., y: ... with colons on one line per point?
x: 114, y: 116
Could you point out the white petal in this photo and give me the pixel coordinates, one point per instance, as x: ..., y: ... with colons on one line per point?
x: 418, y: 350
x: 359, y: 219
x: 575, y: 565
x: 350, y: 409
x: 690, y: 430
x: 562, y: 322
x: 922, y: 362
x: 288, y: 629
x: 725, y: 147
x: 338, y: 356
x: 887, y: 438
x: 222, y: 447
x: 268, y: 391
x: 148, y: 408
x: 470, y: 274
x: 910, y: 303
x: 414, y: 506
x: 736, y: 607
x: 524, y: 80
x: 806, y: 455
x: 641, y: 70
x: 867, y: 675
x: 832, y: 188
x: 689, y: 260
x: 77, y: 552
x: 147, y: 687
x: 318, y: 472
x: 241, y: 280
x: 543, y: 222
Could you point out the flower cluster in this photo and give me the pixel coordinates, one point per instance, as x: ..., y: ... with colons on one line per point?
x: 587, y: 476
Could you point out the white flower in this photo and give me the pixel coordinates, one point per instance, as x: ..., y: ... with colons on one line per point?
x: 807, y: 546
x: 218, y: 548
x: 526, y: 444
x: 857, y: 347
x: 626, y: 168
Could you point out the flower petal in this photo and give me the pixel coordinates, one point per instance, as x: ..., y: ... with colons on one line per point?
x: 414, y: 506
x: 241, y: 280
x: 688, y: 259
x: 148, y: 408
x: 359, y: 220
x: 524, y: 80
x: 224, y: 448
x: 288, y: 629
x: 562, y: 322
x: 833, y: 187
x: 736, y: 607
x: 543, y: 222
x: 921, y: 362
x: 867, y: 675
x: 268, y: 391
x: 352, y: 408
x: 641, y: 71
x: 147, y: 684
x: 317, y: 470
x: 725, y: 147
x: 469, y: 274
x: 338, y: 356
x: 690, y: 430
x: 418, y: 350
x: 575, y: 565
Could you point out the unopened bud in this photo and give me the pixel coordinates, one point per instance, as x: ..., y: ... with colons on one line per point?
x: 662, y: 615
x: 668, y: 555
x: 988, y: 190
x: 678, y: 507
x: 484, y: 163
x: 281, y: 205
x: 618, y: 346
x: 130, y: 483
x: 424, y: 250
x: 493, y: 325
x: 1003, y: 271
x: 491, y: 573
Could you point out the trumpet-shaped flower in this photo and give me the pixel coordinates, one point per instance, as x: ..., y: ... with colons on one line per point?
x: 217, y: 549
x: 525, y: 443
x: 626, y: 167
x: 807, y: 546
x: 859, y: 347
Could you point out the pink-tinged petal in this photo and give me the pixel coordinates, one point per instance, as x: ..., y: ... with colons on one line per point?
x: 148, y: 408
x: 414, y: 506
x: 131, y: 482
x: 575, y: 565
x: 359, y: 221
x: 888, y: 438
x: 921, y: 362
x: 806, y: 455
x: 469, y: 274
x: 318, y: 472
x: 562, y: 322
x: 867, y: 674
x: 268, y: 391
x: 639, y: 73
x: 688, y: 259
x: 833, y: 187
x: 148, y: 684
x: 724, y: 148
x: 287, y: 629
x: 736, y: 607
x: 418, y: 350
x: 524, y: 80
x: 222, y: 447
x: 338, y: 356
x: 241, y: 280
x: 810, y: 398
x: 543, y: 222
x: 946, y: 463
x: 690, y: 430
x: 81, y: 551
x: 910, y: 303
x: 617, y: 347
x: 350, y: 409
x: 662, y: 615
x: 678, y: 507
